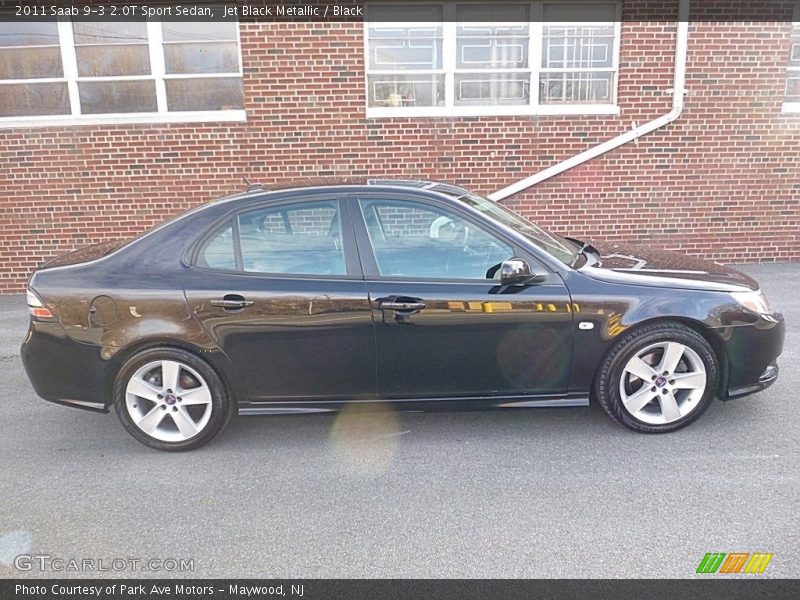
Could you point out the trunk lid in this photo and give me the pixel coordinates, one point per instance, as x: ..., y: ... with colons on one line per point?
x: 81, y: 255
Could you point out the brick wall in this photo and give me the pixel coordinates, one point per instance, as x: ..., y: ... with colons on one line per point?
x: 723, y: 181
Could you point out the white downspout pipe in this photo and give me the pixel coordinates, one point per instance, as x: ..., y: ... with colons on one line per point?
x: 678, y: 92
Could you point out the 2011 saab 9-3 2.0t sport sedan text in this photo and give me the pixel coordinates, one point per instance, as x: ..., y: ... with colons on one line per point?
x: 420, y: 294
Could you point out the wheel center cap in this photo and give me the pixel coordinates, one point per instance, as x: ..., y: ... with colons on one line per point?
x: 661, y: 382
x: 170, y: 399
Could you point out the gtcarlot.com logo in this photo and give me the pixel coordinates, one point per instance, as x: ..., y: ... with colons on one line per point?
x: 46, y: 562
x: 734, y: 562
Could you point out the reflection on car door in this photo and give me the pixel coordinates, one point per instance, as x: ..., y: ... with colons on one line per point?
x: 444, y: 326
x: 281, y: 291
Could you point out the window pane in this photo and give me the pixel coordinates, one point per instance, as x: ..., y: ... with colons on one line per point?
x: 102, y: 97
x: 202, y: 58
x: 218, y: 252
x: 794, y: 56
x: 793, y: 87
x: 572, y: 49
x: 566, y: 88
x: 122, y: 32
x: 579, y: 47
x: 405, y: 48
x: 102, y: 61
x: 492, y: 37
x: 311, y: 245
x: 403, y: 37
x: 30, y: 63
x: 192, y: 31
x: 406, y: 90
x: 410, y: 239
x: 492, y: 89
x: 492, y: 53
x: 31, y: 99
x: 29, y: 33
x: 211, y: 93
x: 17, y: 62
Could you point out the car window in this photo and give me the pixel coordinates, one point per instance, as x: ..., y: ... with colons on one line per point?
x: 295, y: 239
x: 218, y: 251
x: 561, y: 248
x: 413, y: 239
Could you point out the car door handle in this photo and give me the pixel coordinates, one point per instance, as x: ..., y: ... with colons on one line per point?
x: 232, y: 302
x: 394, y: 304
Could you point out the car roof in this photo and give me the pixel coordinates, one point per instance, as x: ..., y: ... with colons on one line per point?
x: 258, y: 189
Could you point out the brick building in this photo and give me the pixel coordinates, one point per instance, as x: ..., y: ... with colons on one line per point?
x: 108, y: 128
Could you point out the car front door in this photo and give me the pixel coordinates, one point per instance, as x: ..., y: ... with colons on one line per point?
x: 280, y: 289
x: 444, y: 326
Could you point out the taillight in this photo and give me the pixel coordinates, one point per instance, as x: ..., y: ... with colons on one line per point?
x: 36, y: 307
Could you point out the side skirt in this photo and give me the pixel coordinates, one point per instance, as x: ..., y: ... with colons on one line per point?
x: 97, y: 407
x: 283, y: 407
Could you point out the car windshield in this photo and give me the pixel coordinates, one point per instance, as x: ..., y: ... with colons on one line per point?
x: 556, y: 246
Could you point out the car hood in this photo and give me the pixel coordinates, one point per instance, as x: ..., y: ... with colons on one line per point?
x: 641, y: 265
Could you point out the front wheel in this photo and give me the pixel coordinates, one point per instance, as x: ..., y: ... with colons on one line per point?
x: 658, y: 378
x: 171, y: 400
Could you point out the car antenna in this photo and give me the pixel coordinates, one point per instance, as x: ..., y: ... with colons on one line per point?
x: 250, y: 186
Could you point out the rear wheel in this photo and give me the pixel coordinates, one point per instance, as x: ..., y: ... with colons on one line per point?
x: 170, y: 400
x: 658, y: 378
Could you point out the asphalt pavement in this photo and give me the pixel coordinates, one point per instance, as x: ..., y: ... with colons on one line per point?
x: 523, y: 493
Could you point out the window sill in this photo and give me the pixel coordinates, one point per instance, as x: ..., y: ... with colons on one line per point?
x: 126, y: 119
x: 493, y: 111
x: 791, y: 108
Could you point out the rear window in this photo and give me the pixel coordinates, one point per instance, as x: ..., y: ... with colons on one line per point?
x: 291, y: 239
x: 218, y: 251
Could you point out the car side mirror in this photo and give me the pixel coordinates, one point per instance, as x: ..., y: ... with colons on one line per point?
x: 516, y: 271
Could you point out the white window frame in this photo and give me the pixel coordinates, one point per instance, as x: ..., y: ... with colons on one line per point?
x: 793, y: 107
x: 449, y: 44
x: 157, y: 73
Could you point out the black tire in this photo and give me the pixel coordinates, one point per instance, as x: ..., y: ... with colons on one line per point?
x: 221, y: 406
x: 607, y: 381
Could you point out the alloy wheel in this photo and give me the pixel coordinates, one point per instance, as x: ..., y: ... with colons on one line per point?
x: 168, y: 400
x: 663, y: 383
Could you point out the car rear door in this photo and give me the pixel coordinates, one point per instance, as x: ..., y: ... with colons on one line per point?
x: 280, y: 289
x: 444, y: 326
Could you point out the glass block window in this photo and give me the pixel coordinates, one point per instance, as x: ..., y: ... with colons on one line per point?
x: 84, y: 71
x: 499, y: 58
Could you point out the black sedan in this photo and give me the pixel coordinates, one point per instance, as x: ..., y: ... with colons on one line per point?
x: 419, y: 294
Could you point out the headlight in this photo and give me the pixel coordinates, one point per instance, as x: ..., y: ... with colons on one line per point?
x: 754, y: 301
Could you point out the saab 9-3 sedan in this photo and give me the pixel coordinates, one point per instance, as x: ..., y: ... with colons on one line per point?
x: 414, y: 294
